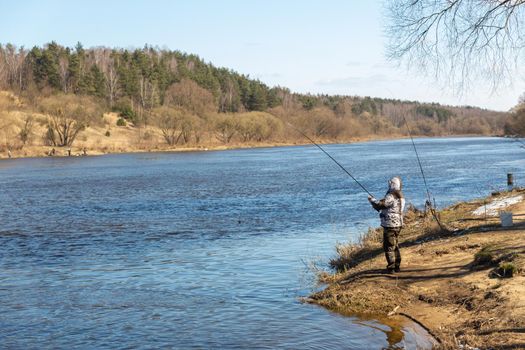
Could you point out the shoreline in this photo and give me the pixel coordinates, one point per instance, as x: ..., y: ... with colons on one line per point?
x: 76, y: 151
x: 451, y: 283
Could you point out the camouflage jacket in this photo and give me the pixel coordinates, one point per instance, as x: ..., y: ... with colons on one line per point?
x: 390, y: 208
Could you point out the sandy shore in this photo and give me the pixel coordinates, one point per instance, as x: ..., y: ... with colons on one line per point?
x: 452, y: 283
x: 99, y: 147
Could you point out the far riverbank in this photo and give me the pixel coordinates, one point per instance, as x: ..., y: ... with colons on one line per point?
x: 94, y: 149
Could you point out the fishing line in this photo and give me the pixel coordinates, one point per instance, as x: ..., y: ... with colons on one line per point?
x: 332, y: 158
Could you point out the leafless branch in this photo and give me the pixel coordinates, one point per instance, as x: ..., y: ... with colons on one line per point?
x: 458, y: 40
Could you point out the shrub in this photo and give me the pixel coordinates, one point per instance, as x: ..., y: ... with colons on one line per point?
x: 121, y: 122
x: 484, y: 257
x: 124, y: 109
x: 108, y: 134
x: 507, y: 270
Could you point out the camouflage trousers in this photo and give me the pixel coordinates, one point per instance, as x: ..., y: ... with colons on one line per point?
x: 391, y: 247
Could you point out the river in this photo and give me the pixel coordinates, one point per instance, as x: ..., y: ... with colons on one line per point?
x: 209, y: 249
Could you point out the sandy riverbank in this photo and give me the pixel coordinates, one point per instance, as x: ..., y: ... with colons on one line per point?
x: 125, y: 144
x: 123, y: 140
x: 452, y: 283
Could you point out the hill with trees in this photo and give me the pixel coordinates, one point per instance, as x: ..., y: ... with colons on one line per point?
x: 56, y: 96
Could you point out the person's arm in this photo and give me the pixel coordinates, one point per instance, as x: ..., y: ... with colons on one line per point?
x: 384, y: 203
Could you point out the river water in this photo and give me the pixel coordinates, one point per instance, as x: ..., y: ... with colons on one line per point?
x: 210, y: 249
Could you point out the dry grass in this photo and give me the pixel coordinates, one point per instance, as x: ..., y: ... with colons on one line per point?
x: 418, y: 227
x: 349, y: 255
x: 105, y: 136
x: 100, y: 137
x: 466, y: 285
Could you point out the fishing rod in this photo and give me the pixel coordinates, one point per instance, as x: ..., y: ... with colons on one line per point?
x: 418, y: 159
x: 429, y: 200
x: 332, y: 158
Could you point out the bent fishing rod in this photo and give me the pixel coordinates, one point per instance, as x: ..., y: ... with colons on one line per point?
x: 432, y: 209
x: 418, y: 159
x: 332, y: 158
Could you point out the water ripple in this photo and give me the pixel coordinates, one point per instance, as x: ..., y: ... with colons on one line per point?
x: 206, y: 250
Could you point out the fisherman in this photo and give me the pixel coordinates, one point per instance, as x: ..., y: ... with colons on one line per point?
x: 390, y: 211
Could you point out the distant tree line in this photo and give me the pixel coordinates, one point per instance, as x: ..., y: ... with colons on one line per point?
x: 139, y: 77
x: 190, y: 100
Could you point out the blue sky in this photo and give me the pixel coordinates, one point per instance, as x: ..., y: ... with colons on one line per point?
x: 334, y: 47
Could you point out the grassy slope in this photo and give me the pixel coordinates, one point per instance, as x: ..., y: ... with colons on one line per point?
x: 121, y: 138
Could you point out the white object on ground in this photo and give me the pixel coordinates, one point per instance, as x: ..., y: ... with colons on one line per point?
x: 495, y: 206
x: 505, y: 218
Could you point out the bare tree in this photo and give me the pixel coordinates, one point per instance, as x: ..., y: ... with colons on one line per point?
x: 149, y: 96
x: 68, y: 116
x: 63, y: 71
x: 108, y: 63
x: 257, y: 126
x: 177, y: 126
x: 459, y: 40
x: 26, y: 132
x: 515, y: 123
x: 188, y: 127
x: 13, y: 65
x: 172, y: 64
x: 189, y: 95
x: 7, y: 136
x: 225, y: 128
x: 321, y: 122
x: 229, y: 100
x: 168, y: 120
x: 3, y: 68
x: 112, y: 81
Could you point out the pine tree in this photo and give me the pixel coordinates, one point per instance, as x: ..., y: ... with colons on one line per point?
x: 257, y: 100
x: 98, y: 82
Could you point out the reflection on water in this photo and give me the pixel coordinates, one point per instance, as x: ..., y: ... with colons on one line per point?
x: 207, y: 250
x: 400, y: 332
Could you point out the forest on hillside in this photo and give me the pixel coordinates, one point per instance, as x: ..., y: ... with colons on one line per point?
x: 190, y: 101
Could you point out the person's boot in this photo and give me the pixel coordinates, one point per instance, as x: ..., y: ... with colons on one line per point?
x: 390, y: 271
x: 397, y: 269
